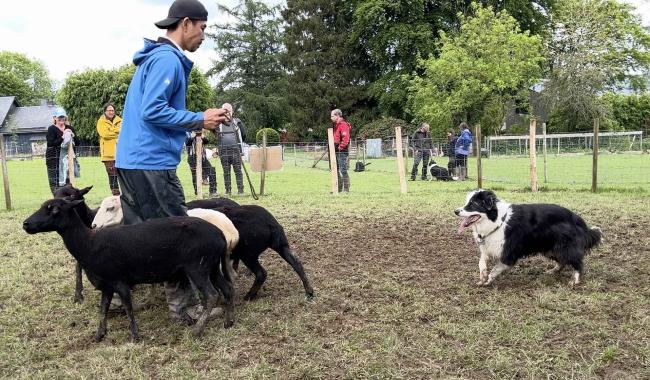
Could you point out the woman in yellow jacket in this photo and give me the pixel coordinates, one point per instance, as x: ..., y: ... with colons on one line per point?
x: 108, y: 127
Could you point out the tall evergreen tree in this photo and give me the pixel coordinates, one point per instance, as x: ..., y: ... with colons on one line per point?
x: 248, y: 69
x: 324, y: 70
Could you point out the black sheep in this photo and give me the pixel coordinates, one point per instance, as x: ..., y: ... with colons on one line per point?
x: 117, y: 258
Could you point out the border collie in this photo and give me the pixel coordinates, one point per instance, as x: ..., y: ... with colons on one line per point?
x: 440, y: 173
x: 507, y: 232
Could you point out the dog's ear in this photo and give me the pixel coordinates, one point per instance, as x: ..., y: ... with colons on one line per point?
x: 490, y: 200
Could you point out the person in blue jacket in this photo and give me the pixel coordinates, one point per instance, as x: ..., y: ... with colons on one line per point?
x: 463, y: 147
x: 154, y: 127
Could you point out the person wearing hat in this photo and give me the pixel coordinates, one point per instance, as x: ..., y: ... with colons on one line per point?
x: 154, y: 126
x: 54, y: 138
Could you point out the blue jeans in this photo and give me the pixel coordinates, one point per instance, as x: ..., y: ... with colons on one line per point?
x: 342, y: 173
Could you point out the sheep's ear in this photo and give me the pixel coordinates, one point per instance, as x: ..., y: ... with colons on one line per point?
x: 71, y: 204
x: 85, y: 190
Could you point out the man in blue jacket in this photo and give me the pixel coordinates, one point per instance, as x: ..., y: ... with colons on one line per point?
x: 154, y: 127
x: 462, y: 150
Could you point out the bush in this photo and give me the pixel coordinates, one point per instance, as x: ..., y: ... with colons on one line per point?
x: 384, y: 128
x: 272, y: 136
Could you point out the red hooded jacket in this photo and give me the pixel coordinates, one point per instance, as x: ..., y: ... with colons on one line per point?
x: 342, y: 135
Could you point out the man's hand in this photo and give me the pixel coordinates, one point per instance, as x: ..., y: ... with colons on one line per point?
x: 212, y: 117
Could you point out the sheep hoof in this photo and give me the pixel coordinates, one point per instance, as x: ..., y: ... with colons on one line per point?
x: 136, y: 338
x: 78, y: 298
x: 249, y: 297
x: 228, y: 323
x: 99, y: 336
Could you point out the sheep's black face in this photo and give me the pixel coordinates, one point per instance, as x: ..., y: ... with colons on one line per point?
x: 48, y: 218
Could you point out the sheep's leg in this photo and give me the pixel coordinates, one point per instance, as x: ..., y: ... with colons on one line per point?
x: 285, y: 253
x: 209, y: 295
x: 107, y: 296
x: 235, y: 263
x: 227, y: 290
x: 78, y: 289
x: 260, y: 276
x: 125, y: 294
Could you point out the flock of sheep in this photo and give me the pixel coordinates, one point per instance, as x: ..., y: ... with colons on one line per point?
x: 205, y: 247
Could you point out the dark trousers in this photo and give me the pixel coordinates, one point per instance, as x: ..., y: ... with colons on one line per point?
x: 208, y: 172
x: 52, y: 165
x: 231, y: 157
x: 151, y: 194
x: 420, y: 155
x: 461, y: 160
x: 342, y: 171
x: 112, y: 176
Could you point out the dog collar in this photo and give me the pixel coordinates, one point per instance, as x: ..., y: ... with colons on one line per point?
x: 481, y: 238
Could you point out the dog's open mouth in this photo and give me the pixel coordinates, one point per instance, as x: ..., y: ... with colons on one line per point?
x: 466, y: 222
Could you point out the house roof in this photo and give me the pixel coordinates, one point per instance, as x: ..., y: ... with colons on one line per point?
x: 5, y: 105
x: 30, y: 119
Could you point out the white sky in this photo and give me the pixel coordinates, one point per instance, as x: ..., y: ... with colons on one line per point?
x: 71, y: 35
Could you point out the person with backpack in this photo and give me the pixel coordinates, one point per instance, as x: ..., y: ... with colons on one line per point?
x: 341, y: 144
x: 422, y: 148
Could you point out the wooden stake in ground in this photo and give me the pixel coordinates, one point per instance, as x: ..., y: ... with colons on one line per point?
x: 545, y: 155
x: 263, y: 172
x: 533, y: 155
x: 400, y: 160
x: 71, y: 163
x: 5, y: 172
x: 334, y: 169
x: 594, y: 171
x: 198, y: 153
x: 479, y: 166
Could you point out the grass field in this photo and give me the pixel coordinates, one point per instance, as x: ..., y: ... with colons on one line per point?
x: 394, y: 283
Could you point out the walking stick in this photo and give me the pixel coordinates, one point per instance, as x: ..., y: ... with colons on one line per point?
x: 250, y: 183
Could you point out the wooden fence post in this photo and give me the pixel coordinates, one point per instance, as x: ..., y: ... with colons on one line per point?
x: 71, y: 163
x: 263, y: 173
x: 479, y: 166
x: 594, y: 171
x: 198, y: 167
x: 333, y: 168
x: 545, y: 153
x: 5, y: 172
x: 533, y: 155
x: 400, y: 160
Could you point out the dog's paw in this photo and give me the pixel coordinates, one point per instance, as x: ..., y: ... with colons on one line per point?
x: 483, y: 276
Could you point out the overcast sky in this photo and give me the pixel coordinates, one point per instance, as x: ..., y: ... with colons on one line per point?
x: 71, y: 35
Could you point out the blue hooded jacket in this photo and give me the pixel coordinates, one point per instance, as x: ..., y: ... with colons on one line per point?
x: 464, y: 142
x: 155, y: 120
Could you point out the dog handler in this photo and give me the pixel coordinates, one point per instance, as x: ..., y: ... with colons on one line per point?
x: 154, y: 128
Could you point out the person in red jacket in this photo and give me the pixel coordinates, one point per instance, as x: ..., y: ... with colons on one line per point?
x: 341, y: 144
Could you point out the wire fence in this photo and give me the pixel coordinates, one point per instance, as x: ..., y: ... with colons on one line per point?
x: 623, y: 163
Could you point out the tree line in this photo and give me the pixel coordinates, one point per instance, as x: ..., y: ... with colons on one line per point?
x: 401, y: 62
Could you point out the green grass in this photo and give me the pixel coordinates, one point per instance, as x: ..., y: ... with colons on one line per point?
x: 395, y: 293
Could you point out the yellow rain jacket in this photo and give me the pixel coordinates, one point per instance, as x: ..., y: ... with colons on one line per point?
x: 108, y: 132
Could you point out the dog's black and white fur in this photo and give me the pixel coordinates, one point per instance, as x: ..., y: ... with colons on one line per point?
x: 507, y: 232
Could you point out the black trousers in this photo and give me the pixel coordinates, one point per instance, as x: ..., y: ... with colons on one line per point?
x: 52, y: 165
x: 231, y: 157
x: 420, y: 155
x: 208, y: 172
x: 150, y: 194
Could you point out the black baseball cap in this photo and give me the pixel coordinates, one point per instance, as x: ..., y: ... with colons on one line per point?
x: 180, y: 9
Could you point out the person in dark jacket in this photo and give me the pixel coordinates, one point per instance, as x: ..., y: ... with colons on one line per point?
x: 422, y: 149
x: 206, y: 167
x: 54, y: 139
x: 231, y: 135
x: 450, y: 151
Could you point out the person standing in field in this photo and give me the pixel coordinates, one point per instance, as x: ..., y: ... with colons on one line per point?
x: 108, y: 128
x: 463, y: 147
x: 422, y: 149
x: 54, y: 138
x: 154, y: 129
x: 341, y: 144
x: 230, y: 135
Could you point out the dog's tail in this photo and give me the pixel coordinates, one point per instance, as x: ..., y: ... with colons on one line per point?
x: 594, y: 237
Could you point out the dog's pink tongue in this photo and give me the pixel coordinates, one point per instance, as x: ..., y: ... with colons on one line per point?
x: 463, y: 224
